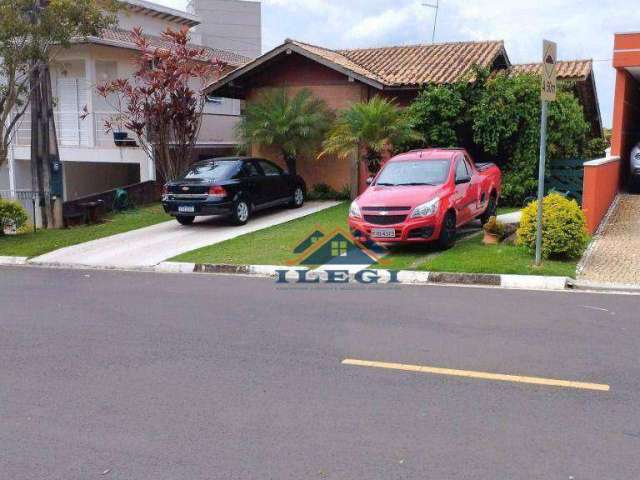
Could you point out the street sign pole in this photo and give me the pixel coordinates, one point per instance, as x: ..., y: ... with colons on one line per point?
x: 547, y: 94
x: 541, y: 169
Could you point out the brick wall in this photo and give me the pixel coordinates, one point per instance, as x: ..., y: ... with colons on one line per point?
x: 294, y: 73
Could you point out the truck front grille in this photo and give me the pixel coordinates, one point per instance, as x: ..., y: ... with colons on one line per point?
x: 384, y: 219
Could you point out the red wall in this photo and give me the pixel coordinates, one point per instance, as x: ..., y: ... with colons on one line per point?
x: 294, y: 72
x: 602, y: 179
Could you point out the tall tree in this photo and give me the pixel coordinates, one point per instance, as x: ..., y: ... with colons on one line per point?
x: 159, y: 103
x: 292, y: 124
x: 32, y: 32
x: 365, y: 131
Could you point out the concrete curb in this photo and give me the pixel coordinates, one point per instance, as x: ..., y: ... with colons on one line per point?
x: 586, y: 285
x: 13, y: 260
x: 404, y: 276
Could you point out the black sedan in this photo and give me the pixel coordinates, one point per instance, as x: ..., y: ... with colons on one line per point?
x: 232, y: 186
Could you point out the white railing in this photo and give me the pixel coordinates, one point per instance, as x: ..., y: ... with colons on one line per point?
x: 73, y: 131
x: 218, y: 128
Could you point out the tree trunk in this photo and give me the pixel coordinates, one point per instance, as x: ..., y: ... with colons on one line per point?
x: 291, y: 161
x: 355, y: 175
x: 44, y: 149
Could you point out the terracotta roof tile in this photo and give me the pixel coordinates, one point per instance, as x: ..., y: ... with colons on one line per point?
x: 419, y: 64
x: 125, y: 38
x: 567, y: 70
x: 414, y: 64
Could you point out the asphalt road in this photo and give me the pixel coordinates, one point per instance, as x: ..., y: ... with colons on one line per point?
x: 115, y: 375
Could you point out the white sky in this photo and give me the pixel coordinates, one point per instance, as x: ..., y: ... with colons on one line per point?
x: 582, y: 29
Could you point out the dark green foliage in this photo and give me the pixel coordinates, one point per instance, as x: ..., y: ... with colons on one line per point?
x: 498, y: 119
x: 322, y: 191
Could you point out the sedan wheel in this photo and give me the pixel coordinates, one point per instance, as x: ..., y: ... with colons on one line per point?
x: 241, y: 213
x: 298, y: 197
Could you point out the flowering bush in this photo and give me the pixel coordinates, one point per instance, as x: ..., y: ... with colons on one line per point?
x: 12, y: 215
x: 564, y: 232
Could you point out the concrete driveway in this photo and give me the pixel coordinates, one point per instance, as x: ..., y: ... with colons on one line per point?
x: 149, y: 246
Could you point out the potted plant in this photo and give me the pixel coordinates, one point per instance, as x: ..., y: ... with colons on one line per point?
x: 493, y: 231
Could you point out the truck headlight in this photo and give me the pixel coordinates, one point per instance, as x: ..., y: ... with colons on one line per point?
x: 426, y: 209
x: 354, y: 210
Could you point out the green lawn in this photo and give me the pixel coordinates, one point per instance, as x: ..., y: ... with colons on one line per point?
x: 472, y: 256
x: 271, y: 246
x: 274, y: 246
x: 43, y: 241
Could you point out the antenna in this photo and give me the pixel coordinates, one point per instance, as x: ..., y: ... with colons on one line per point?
x: 436, y: 7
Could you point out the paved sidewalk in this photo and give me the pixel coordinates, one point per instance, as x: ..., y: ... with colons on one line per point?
x: 614, y: 256
x: 149, y: 246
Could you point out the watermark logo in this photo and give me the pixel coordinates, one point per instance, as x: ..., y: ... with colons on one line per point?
x: 336, y: 257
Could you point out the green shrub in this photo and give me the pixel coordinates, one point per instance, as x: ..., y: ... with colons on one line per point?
x: 322, y: 191
x: 12, y: 215
x: 564, y: 232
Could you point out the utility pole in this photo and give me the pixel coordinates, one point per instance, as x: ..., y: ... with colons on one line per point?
x: 436, y: 7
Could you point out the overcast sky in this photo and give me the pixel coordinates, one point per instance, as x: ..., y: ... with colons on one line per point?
x: 582, y: 29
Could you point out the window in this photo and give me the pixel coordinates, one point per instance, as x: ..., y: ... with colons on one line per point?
x: 221, y: 170
x: 269, y: 169
x: 418, y: 172
x: 461, y: 170
x: 250, y: 169
x: 339, y: 248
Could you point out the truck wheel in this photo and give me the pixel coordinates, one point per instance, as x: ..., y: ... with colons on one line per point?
x: 185, y: 219
x: 240, y: 213
x: 448, y: 232
x: 491, y: 210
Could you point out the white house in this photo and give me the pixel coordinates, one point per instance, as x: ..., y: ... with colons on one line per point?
x: 92, y: 163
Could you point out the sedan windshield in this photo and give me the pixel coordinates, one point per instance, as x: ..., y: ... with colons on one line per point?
x: 419, y: 172
x: 222, y: 170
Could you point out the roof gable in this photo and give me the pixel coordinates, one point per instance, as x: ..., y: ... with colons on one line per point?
x: 125, y: 39
x: 388, y: 67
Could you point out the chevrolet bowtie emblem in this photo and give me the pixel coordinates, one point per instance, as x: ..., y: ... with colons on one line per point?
x: 384, y: 212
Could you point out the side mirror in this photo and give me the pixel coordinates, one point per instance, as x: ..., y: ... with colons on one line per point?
x: 463, y: 180
x: 369, y: 180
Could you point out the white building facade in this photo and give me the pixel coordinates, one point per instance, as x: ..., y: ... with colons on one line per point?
x: 91, y: 161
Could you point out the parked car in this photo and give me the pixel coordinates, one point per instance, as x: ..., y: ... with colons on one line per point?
x: 425, y: 195
x: 233, y: 186
x: 635, y: 167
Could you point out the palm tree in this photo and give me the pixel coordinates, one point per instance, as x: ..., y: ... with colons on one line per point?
x: 366, y: 130
x: 291, y: 124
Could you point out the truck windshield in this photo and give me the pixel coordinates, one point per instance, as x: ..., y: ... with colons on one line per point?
x: 222, y: 170
x: 419, y: 172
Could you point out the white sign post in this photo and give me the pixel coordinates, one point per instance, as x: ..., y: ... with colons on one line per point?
x: 547, y: 94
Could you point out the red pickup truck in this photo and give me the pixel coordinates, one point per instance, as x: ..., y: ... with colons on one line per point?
x: 425, y: 195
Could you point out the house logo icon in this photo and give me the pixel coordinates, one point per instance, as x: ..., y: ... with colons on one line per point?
x: 336, y: 248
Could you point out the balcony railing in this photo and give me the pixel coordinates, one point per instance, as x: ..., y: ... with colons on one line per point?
x: 74, y: 131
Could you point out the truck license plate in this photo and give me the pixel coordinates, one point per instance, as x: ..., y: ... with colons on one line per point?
x: 186, y: 209
x: 383, y: 232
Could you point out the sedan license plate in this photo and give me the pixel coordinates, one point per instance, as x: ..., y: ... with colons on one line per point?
x: 383, y: 232
x: 186, y: 209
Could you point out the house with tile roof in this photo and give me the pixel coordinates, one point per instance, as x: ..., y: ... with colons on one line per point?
x: 91, y: 161
x: 343, y: 77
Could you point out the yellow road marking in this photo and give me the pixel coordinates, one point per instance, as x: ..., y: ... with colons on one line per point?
x: 482, y: 375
